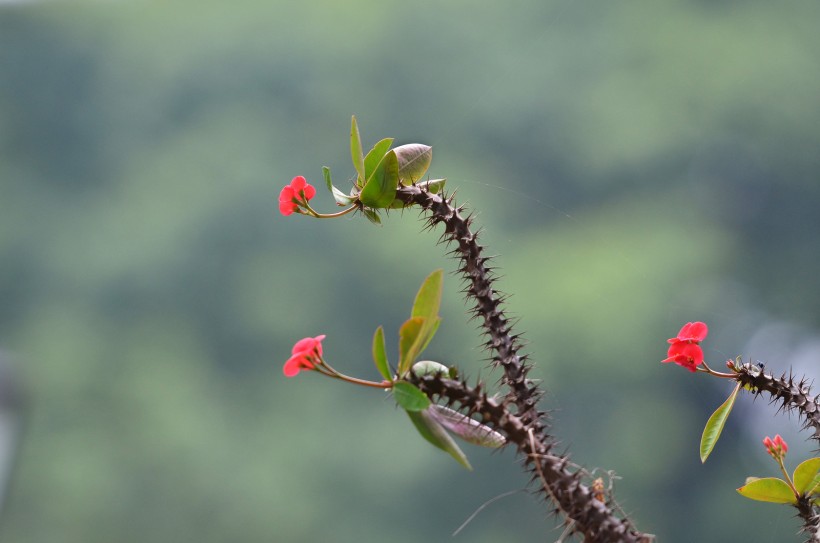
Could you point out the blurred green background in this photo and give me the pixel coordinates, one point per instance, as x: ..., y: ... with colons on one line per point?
x: 635, y: 165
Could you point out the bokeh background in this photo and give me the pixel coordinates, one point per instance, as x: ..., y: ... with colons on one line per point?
x: 635, y: 165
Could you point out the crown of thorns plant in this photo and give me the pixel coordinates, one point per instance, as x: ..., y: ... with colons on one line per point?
x: 442, y: 405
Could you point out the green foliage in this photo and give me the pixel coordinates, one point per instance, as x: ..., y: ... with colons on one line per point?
x: 380, y: 190
x: 409, y: 397
x: 380, y: 354
x: 433, y: 432
x: 806, y: 476
x: 714, y: 426
x: 417, y: 332
x: 768, y: 489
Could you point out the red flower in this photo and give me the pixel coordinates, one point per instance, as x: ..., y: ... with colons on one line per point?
x: 686, y: 355
x: 693, y: 332
x: 684, y: 349
x: 776, y: 447
x: 295, y: 195
x: 304, y: 356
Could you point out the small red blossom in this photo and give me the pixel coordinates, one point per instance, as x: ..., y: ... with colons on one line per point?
x: 295, y: 195
x: 692, y: 332
x: 684, y: 349
x: 776, y: 447
x: 304, y: 356
x: 686, y: 355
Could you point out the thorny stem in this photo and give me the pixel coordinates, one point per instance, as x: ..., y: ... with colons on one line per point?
x: 561, y: 480
x: 792, y: 394
x: 811, y: 519
x: 525, y: 427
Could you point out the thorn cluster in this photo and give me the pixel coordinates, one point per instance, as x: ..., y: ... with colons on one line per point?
x: 526, y: 426
x: 586, y: 513
x: 811, y: 520
x: 792, y: 394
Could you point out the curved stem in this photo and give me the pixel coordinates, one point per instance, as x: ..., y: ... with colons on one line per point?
x: 316, y: 214
x: 710, y: 371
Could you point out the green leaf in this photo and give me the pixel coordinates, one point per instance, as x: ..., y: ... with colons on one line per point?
x: 433, y: 185
x: 428, y: 298
x: 414, y: 338
x: 435, y: 434
x: 468, y: 429
x: 429, y: 367
x: 375, y: 155
x: 414, y: 159
x: 356, y: 150
x: 341, y: 198
x: 372, y: 216
x: 768, y: 489
x: 380, y: 189
x: 806, y: 476
x: 380, y: 354
x: 408, y: 334
x: 714, y: 426
x: 409, y: 397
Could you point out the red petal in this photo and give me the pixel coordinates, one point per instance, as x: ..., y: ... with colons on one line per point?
x: 310, y: 192
x: 308, y: 345
x: 287, y: 208
x: 686, y: 355
x: 291, y: 367
x: 286, y: 195
x: 304, y: 345
x: 298, y: 183
x: 693, y: 331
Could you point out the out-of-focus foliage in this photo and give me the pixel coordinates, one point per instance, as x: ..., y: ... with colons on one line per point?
x: 636, y: 165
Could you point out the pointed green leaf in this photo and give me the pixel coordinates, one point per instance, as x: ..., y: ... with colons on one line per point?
x: 408, y: 334
x: 428, y: 298
x: 341, y: 198
x: 429, y: 367
x: 414, y: 159
x: 806, y: 476
x: 372, y: 216
x: 435, y: 434
x: 468, y: 429
x: 375, y: 155
x: 356, y: 150
x: 409, y: 397
x: 380, y: 354
x: 380, y: 190
x: 714, y: 426
x: 768, y: 489
x: 425, y: 319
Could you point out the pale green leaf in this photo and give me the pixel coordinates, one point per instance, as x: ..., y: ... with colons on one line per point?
x: 429, y: 367
x: 380, y: 354
x: 375, y: 155
x: 341, y: 198
x: 806, y: 476
x: 768, y: 489
x: 414, y: 159
x: 433, y: 432
x: 356, y: 150
x: 715, y: 424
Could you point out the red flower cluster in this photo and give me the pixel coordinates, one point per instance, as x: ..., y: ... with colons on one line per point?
x: 306, y: 354
x: 684, y: 349
x: 295, y: 195
x: 776, y: 447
